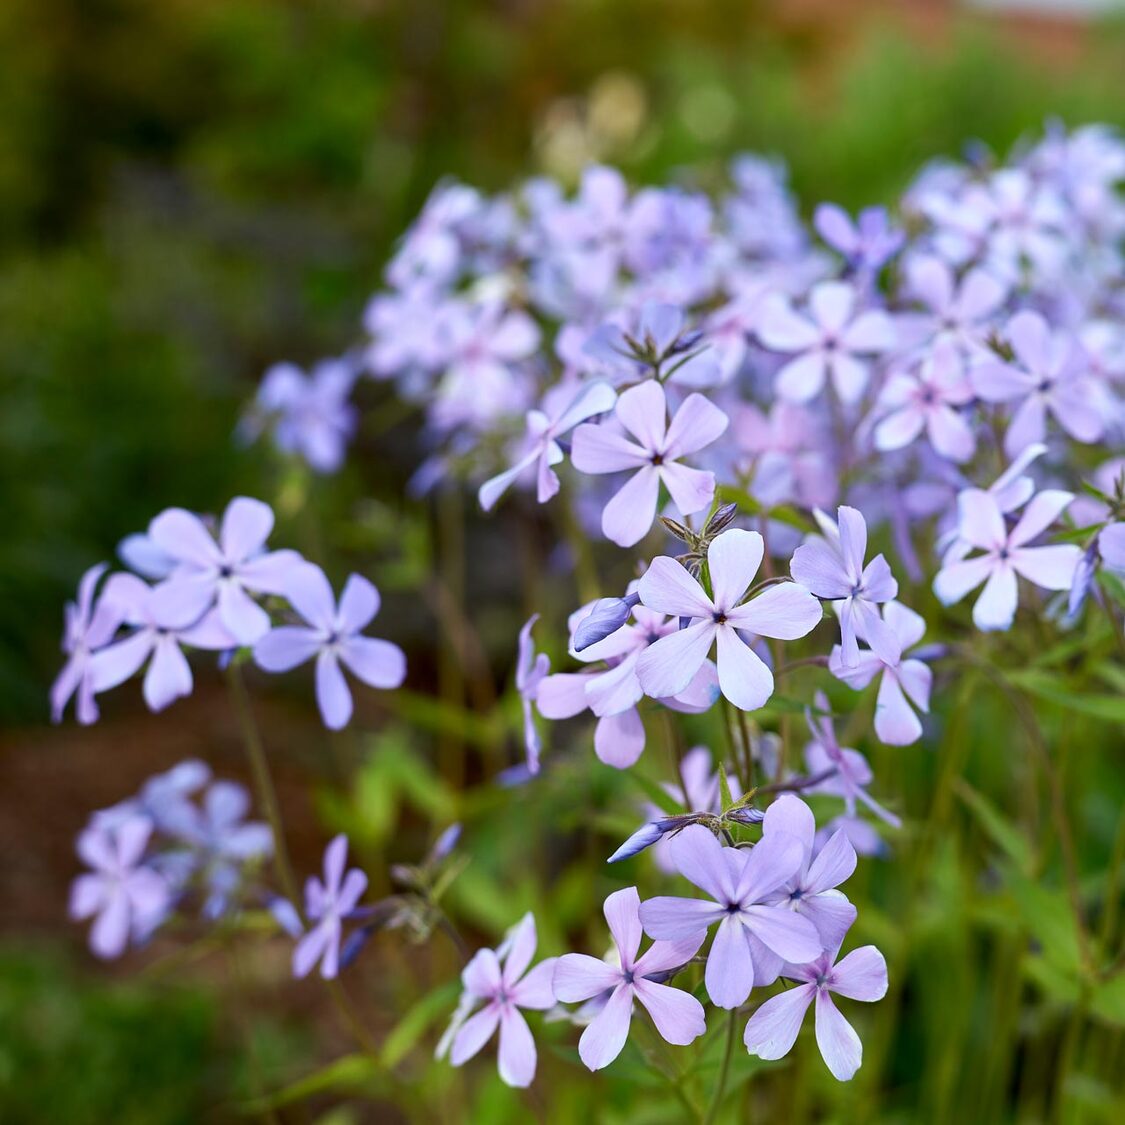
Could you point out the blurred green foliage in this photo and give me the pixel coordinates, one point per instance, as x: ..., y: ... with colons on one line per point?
x: 192, y: 190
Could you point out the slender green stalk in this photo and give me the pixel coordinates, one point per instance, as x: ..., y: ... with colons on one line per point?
x: 721, y: 1089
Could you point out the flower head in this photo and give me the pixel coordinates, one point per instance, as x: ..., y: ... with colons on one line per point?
x: 328, y: 904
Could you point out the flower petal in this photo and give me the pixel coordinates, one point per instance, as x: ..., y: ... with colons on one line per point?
x: 603, y: 1039
x: 517, y: 1057
x: 861, y: 975
x: 677, y: 1014
x: 837, y: 1040
x: 774, y: 1026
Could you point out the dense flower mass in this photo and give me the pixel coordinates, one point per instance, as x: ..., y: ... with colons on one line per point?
x: 941, y: 376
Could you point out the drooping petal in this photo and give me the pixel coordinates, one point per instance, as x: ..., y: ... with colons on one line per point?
x: 691, y: 490
x: 896, y: 724
x: 517, y: 1057
x: 310, y: 949
x: 246, y: 621
x: 668, y: 665
x: 332, y: 694
x: 495, y: 487
x: 619, y: 740
x: 837, y: 1040
x: 169, y: 675
x: 996, y: 607
x: 603, y: 1039
x: 774, y: 1026
x: 729, y: 975
x: 743, y: 677
x: 109, y: 935
x: 627, y: 517
x: 677, y: 1014
x: 475, y: 1032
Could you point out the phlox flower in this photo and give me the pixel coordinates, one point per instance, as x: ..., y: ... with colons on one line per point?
x: 89, y: 623
x: 613, y: 694
x: 785, y: 612
x: 772, y: 1029
x: 1004, y: 555
x: 852, y: 773
x: 563, y: 408
x: 832, y: 567
x: 1049, y: 376
x: 328, y: 904
x: 500, y: 979
x: 223, y: 571
x: 903, y: 678
x: 955, y: 312
x: 927, y: 397
x: 811, y: 890
x: 867, y: 244
x: 333, y: 636
x: 128, y: 897
x: 755, y: 936
x: 531, y: 669
x: 832, y: 341
x: 788, y: 453
x: 158, y: 635
x: 678, y: 1016
x: 431, y: 249
x: 653, y: 457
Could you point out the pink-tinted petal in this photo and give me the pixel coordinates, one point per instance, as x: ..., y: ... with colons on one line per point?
x: 619, y: 740
x: 603, y: 1039
x: 786, y: 611
x: 286, y: 647
x: 679, y: 919
x: 245, y: 528
x: 666, y: 586
x: 332, y: 694
x: 628, y: 516
x: 774, y: 1026
x: 837, y: 1040
x: 950, y: 434
x: 677, y: 1014
x: 696, y: 425
x: 783, y: 330
x: 563, y: 695
x: 642, y: 411
x: 521, y: 949
x: 537, y: 989
x: 733, y: 559
x: 831, y: 304
x: 871, y: 331
x: 615, y: 690
x: 861, y: 975
x: 517, y: 1055
x: 899, y: 428
x: 621, y: 910
x: 691, y: 489
x: 729, y: 975
x: 600, y: 449
x: 475, y: 1032
x: 578, y: 976
x: 849, y: 376
x: 743, y: 678
x: 996, y: 607
x: 668, y: 665
x: 378, y: 663
x: 495, y: 487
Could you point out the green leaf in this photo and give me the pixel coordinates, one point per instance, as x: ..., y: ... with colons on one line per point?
x: 724, y: 789
x: 655, y: 793
x: 348, y: 1073
x: 1108, y: 1001
x: 406, y: 1033
x: 783, y: 513
x: 1109, y: 708
x: 1001, y: 831
x: 1046, y: 914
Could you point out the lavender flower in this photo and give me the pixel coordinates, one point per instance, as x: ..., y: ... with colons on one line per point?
x: 222, y: 572
x: 654, y: 456
x: 499, y: 979
x: 128, y: 898
x: 773, y: 1028
x: 1005, y: 554
x: 785, y: 612
x: 753, y: 938
x: 866, y: 244
x: 328, y: 904
x: 678, y: 1016
x: 531, y: 669
x: 333, y: 636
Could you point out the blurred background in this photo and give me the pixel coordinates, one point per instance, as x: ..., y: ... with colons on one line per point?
x: 192, y: 190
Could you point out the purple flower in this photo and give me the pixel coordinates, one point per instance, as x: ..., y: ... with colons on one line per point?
x: 1005, y: 554
x: 311, y: 414
x: 606, y: 616
x: 958, y: 313
x: 678, y: 1016
x: 128, y: 898
x: 1111, y: 544
x: 157, y: 634
x: 833, y: 568
x: 652, y: 341
x: 88, y: 625
x: 927, y: 398
x: 867, y: 244
x: 903, y: 678
x: 773, y: 1028
x: 811, y: 890
x: 654, y: 457
x: 754, y: 937
x: 1050, y: 376
x: 500, y: 980
x: 852, y: 773
x: 563, y: 408
x: 333, y: 637
x: 208, y: 571
x: 329, y: 905
x: 531, y: 669
x: 785, y: 612
x: 829, y: 341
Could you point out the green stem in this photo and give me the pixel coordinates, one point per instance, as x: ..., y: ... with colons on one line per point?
x: 263, y: 781
x: 713, y: 1112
